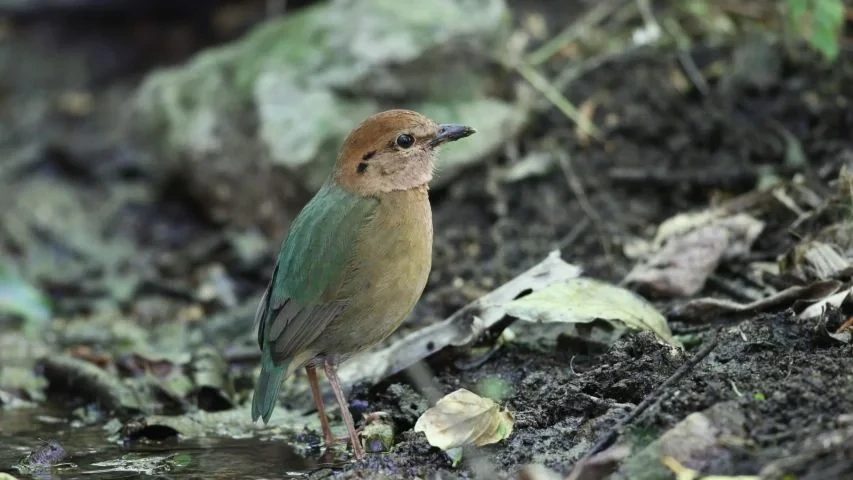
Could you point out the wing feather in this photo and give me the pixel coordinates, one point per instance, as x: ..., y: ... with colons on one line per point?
x: 300, y: 300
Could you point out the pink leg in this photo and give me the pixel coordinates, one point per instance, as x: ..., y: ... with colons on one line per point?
x: 318, y: 401
x: 332, y: 375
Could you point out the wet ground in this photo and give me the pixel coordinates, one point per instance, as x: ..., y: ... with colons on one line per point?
x: 669, y: 149
x: 94, y: 455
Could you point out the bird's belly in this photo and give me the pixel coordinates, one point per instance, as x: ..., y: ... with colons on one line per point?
x: 381, y: 309
x: 393, y: 263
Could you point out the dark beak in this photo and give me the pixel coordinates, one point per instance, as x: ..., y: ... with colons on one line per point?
x: 449, y: 132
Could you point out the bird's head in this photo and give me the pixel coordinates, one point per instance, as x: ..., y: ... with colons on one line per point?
x: 393, y: 150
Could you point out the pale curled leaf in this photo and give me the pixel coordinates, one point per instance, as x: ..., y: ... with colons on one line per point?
x: 583, y: 300
x: 464, y: 418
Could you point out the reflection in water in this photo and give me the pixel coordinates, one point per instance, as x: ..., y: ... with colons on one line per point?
x: 91, y: 456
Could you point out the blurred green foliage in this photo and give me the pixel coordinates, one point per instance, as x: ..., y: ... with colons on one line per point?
x: 819, y: 22
x: 494, y: 388
x: 20, y: 299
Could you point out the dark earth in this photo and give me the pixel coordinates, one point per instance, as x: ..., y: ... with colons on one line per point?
x: 673, y: 149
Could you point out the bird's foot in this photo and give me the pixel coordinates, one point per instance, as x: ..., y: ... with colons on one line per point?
x: 368, y: 419
x: 340, y: 440
x: 358, y: 451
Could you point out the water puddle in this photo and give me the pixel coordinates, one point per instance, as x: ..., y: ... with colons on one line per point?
x: 90, y: 455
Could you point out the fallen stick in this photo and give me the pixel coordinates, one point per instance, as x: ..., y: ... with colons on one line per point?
x: 655, y: 397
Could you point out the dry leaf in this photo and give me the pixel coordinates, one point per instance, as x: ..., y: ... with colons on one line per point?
x: 689, y: 247
x: 600, y: 465
x: 845, y: 331
x: 815, y: 260
x: 464, y: 418
x: 833, y: 299
x: 583, y: 300
x: 698, y: 440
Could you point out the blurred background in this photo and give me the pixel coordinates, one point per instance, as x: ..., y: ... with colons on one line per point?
x: 154, y: 153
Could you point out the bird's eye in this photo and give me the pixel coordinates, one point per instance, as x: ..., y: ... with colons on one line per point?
x: 405, y: 141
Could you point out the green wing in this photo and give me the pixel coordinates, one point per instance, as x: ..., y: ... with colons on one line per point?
x: 296, y: 307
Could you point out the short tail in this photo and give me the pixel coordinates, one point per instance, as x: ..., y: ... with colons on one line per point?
x: 267, y: 388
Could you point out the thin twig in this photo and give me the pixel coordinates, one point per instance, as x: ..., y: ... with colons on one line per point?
x: 573, y: 31
x: 575, y: 69
x: 687, y: 63
x: 646, y: 12
x: 574, y: 233
x: 575, y: 185
x: 652, y: 399
x: 681, y: 42
x: 555, y: 97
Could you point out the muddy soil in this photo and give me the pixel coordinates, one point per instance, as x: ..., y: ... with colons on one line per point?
x: 671, y: 149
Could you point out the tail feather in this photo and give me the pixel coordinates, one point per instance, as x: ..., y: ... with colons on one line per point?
x: 267, y: 388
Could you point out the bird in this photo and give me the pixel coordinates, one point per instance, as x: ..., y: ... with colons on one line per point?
x: 355, y: 260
